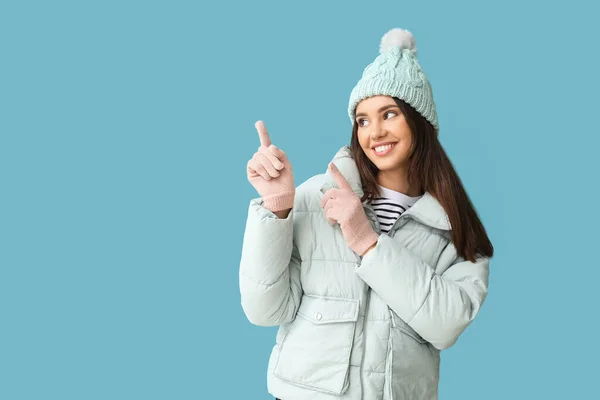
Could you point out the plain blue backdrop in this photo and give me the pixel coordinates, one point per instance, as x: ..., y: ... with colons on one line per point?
x: 125, y: 129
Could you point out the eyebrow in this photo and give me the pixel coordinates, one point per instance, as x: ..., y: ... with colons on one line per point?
x: 380, y: 110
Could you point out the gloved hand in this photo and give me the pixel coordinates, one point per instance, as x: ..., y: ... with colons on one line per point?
x: 270, y: 172
x: 344, y: 207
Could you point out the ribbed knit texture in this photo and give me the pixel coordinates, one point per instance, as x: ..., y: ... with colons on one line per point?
x: 396, y: 72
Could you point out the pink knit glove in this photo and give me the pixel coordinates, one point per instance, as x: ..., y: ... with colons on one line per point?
x: 270, y: 172
x: 344, y: 207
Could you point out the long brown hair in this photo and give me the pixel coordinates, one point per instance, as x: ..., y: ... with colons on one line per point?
x: 431, y: 170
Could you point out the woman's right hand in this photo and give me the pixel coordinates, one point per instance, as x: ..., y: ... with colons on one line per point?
x: 270, y: 172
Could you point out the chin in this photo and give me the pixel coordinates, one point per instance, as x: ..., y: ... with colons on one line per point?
x: 384, y: 165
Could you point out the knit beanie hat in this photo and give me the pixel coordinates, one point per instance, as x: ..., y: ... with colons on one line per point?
x: 396, y: 72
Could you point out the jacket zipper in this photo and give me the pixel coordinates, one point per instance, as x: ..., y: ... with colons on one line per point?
x: 392, y: 319
x: 373, y: 217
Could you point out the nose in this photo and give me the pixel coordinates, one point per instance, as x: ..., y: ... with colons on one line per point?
x: 377, y: 132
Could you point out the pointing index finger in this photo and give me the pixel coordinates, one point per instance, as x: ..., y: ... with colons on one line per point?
x: 265, y: 140
x: 338, y: 177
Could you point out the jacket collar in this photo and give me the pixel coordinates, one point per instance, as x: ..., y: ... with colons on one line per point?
x: 426, y: 210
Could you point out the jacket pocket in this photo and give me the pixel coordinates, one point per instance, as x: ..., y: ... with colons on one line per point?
x: 398, y: 323
x: 412, y: 364
x: 316, y: 351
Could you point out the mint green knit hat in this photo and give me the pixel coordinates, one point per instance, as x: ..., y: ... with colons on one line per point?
x: 396, y: 72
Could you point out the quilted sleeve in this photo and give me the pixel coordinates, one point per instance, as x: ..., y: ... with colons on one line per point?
x: 438, y: 303
x: 269, y: 275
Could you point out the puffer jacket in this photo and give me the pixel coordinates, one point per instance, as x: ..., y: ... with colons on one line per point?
x: 352, y: 328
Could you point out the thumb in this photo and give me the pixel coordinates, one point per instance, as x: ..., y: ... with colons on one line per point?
x: 338, y: 177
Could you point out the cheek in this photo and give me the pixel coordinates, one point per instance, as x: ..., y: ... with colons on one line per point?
x: 405, y: 142
x: 404, y: 149
x: 405, y: 137
x: 363, y: 139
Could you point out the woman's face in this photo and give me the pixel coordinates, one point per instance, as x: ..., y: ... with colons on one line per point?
x: 383, y: 133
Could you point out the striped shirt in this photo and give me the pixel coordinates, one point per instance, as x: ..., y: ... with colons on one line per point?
x: 390, y: 206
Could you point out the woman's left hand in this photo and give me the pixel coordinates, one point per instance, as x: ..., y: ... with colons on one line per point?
x: 344, y: 207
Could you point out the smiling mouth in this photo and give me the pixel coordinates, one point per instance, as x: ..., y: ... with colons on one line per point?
x: 383, y: 150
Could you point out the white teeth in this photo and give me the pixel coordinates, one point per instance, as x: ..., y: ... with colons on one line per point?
x: 381, y: 149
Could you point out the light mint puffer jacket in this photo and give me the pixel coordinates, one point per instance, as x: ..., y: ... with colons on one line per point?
x: 352, y: 328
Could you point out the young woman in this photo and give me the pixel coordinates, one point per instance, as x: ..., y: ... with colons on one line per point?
x: 374, y: 267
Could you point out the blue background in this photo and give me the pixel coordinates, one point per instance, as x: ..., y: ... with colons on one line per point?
x: 125, y: 128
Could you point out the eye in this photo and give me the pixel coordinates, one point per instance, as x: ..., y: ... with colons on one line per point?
x: 359, y: 122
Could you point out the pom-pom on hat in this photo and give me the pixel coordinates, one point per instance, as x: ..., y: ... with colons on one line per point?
x: 396, y: 72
